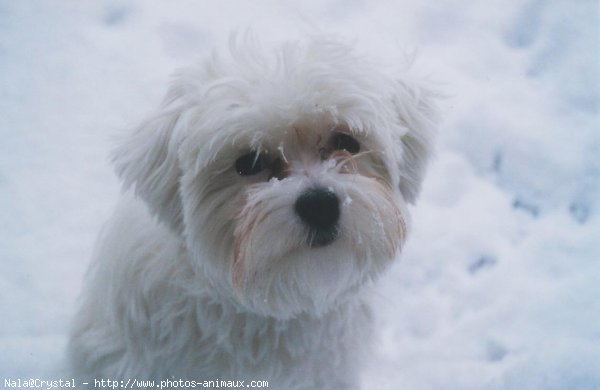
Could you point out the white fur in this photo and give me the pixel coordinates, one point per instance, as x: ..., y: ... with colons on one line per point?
x: 205, y: 274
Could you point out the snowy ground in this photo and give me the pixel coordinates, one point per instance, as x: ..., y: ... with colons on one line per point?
x: 499, y: 287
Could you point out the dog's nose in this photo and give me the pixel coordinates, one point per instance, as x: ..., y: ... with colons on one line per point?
x: 319, y: 209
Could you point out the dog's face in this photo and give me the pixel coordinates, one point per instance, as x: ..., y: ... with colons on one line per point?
x: 287, y: 175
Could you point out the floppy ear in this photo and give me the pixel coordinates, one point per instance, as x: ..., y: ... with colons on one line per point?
x: 415, y: 108
x: 146, y: 160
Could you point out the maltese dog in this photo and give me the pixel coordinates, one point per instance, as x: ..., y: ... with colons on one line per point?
x: 263, y: 196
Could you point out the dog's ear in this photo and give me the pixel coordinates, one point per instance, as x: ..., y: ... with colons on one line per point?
x: 418, y: 114
x: 146, y: 160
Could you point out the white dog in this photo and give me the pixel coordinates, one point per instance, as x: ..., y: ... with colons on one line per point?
x: 267, y: 191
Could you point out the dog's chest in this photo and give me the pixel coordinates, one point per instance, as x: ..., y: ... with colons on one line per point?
x: 247, y: 346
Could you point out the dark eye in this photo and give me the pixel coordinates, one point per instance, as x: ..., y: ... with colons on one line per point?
x: 250, y: 164
x: 341, y: 141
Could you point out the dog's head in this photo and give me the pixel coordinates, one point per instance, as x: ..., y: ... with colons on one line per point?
x: 287, y: 173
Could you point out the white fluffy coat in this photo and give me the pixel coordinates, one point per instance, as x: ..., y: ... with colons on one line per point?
x: 205, y: 274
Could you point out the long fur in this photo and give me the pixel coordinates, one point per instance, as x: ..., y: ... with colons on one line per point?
x: 203, y: 273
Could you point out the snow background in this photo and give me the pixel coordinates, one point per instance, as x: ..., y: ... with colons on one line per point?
x: 499, y: 286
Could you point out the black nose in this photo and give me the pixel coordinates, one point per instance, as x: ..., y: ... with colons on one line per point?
x: 319, y: 209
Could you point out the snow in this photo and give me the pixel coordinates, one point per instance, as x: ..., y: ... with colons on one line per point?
x: 499, y: 284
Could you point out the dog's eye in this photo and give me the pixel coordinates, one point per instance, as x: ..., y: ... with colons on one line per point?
x: 341, y: 141
x: 250, y: 164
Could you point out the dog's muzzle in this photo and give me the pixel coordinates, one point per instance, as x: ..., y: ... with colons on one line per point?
x: 319, y: 210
